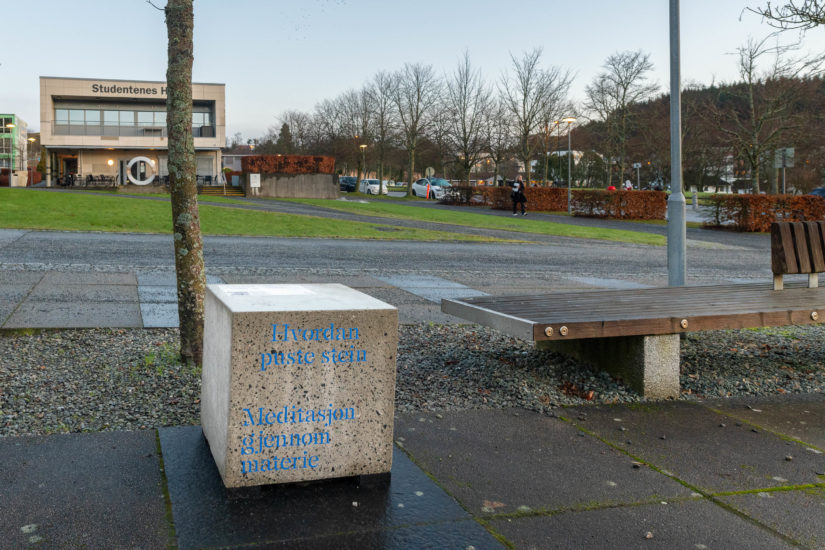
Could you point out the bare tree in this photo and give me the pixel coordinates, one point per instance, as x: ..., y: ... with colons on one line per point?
x: 794, y: 14
x: 529, y: 94
x: 191, y: 278
x: 299, y: 126
x: 467, y: 102
x: 385, y: 121
x: 613, y: 92
x: 498, y: 132
x: 415, y: 95
x: 759, y: 110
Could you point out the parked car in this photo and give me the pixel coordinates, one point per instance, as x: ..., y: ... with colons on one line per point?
x: 438, y: 187
x: 372, y: 187
x: 348, y: 183
x: 819, y: 192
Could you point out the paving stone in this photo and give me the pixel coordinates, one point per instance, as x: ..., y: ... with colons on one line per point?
x: 310, y: 515
x: 29, y: 278
x: 158, y: 294
x: 799, y: 416
x: 159, y: 315
x: 11, y: 294
x: 688, y: 524
x: 796, y: 514
x: 508, y: 461
x: 101, y: 490
x: 32, y: 314
x: 45, y: 292
x: 700, y: 447
x: 167, y: 278
x: 353, y: 281
x: 88, y: 278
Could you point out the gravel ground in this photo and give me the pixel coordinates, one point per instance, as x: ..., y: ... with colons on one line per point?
x: 115, y: 379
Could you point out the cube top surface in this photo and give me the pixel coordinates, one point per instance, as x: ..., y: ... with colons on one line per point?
x: 294, y: 297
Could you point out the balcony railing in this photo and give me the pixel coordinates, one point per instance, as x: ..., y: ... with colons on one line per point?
x: 124, y: 131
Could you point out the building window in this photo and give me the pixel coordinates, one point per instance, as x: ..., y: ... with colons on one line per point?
x: 110, y: 118
x: 146, y: 118
x: 76, y: 117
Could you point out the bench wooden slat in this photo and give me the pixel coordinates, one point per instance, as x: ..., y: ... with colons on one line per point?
x: 814, y: 233
x: 608, y: 313
x: 783, y: 256
x: 800, y: 247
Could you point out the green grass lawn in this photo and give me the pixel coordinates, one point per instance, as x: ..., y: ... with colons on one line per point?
x: 35, y: 209
x: 397, y: 210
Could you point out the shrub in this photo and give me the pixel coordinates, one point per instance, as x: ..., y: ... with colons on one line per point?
x: 288, y: 164
x: 757, y: 212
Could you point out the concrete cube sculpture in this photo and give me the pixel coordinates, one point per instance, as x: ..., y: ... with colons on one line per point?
x: 298, y: 382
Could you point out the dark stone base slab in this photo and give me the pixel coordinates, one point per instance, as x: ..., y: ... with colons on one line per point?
x: 403, y: 510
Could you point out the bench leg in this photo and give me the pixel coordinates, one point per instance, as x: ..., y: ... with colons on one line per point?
x: 648, y: 364
x: 777, y: 282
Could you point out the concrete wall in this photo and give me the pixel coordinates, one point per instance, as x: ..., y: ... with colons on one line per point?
x: 297, y: 186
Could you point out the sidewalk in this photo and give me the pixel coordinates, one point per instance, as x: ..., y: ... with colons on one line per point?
x: 732, y: 474
x: 739, y: 473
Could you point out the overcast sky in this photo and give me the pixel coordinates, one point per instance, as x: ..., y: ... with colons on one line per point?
x: 275, y: 55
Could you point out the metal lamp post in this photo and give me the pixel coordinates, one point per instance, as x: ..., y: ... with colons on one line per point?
x: 676, y: 230
x: 569, y: 120
x: 363, y: 147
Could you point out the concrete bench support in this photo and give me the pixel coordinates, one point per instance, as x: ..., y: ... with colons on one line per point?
x: 648, y: 364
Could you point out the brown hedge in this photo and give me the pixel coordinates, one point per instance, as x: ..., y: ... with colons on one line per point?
x: 757, y: 212
x: 633, y: 205
x: 288, y: 164
x: 620, y: 205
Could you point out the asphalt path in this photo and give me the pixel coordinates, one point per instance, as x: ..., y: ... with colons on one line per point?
x: 550, y: 259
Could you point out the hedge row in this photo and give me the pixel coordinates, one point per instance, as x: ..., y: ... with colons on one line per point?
x: 633, y: 205
x: 288, y: 164
x: 757, y: 212
x: 620, y: 205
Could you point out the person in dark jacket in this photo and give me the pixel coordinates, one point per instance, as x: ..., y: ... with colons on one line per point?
x: 518, y: 196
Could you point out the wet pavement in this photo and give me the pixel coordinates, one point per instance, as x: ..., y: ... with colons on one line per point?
x: 740, y: 473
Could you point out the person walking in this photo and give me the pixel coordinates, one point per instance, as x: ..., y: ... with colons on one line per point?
x: 518, y: 196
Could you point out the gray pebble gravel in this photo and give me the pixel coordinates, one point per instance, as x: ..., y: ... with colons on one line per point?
x: 129, y: 379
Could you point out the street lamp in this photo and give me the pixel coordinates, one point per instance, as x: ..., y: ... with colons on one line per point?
x: 363, y: 147
x: 569, y: 120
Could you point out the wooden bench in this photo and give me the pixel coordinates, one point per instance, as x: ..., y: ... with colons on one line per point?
x: 797, y: 247
x: 634, y: 334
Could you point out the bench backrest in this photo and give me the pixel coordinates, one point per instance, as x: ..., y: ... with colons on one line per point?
x: 797, y: 247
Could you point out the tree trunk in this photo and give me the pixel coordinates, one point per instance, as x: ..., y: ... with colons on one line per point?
x: 191, y: 280
x: 412, y: 170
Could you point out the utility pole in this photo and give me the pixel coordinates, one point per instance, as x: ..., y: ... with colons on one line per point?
x: 676, y: 232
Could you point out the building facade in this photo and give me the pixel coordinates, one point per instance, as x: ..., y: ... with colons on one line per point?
x: 117, y: 129
x: 13, y: 142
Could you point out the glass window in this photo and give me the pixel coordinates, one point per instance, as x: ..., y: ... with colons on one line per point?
x: 197, y: 119
x: 92, y: 117
x: 127, y: 118
x: 61, y: 116
x: 76, y: 116
x: 160, y: 118
x: 206, y: 119
x: 110, y: 118
x: 145, y: 118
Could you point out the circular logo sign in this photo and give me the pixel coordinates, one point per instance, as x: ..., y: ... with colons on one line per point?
x: 150, y: 176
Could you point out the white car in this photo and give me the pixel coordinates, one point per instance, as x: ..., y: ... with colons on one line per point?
x: 438, y: 187
x: 372, y: 186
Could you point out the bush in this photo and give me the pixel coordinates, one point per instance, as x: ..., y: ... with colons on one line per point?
x: 757, y: 212
x: 463, y: 195
x: 620, y: 205
x: 288, y: 164
x: 597, y: 203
